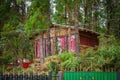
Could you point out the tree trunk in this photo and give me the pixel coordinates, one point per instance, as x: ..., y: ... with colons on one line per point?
x: 85, y: 14
x: 15, y: 62
x: 56, y: 46
x: 48, y: 33
x: 95, y: 16
x: 91, y: 18
x: 119, y: 30
x: 109, y: 16
x: 77, y: 30
x: 23, y: 12
x: 69, y: 24
x: 49, y: 44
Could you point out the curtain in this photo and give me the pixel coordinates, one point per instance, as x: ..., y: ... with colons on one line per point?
x: 71, y: 43
x: 62, y: 44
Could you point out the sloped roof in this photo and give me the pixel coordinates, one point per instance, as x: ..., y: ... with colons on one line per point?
x: 67, y: 26
x: 72, y: 27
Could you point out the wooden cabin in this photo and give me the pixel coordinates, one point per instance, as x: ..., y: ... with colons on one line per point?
x: 62, y: 38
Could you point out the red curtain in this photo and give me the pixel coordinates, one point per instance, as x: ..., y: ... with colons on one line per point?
x: 62, y: 44
x: 72, y: 45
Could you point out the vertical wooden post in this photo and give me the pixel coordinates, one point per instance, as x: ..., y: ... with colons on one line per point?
x: 49, y: 43
x: 13, y: 75
x: 77, y: 69
x: 3, y: 69
x: 105, y: 69
x: 28, y: 75
x: 60, y: 76
x: 91, y: 66
x: 50, y: 75
x: 18, y: 73
x: 67, y: 43
x: 35, y: 46
x: 42, y: 50
x: 56, y: 45
x: 69, y: 38
x: 13, y: 71
x: 1, y: 76
x: 22, y: 72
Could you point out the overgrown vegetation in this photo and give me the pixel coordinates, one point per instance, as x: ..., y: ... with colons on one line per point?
x: 20, y: 19
x: 105, y: 58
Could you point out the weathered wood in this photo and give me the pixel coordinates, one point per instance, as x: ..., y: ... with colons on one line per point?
x: 49, y: 44
x: 42, y: 51
x: 87, y: 38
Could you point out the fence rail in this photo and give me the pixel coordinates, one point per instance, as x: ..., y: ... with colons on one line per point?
x: 67, y: 76
x: 31, y: 77
x: 23, y: 77
x: 92, y: 76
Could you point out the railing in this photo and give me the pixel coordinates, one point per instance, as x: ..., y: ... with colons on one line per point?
x: 23, y: 77
x: 31, y: 77
x: 67, y: 76
x: 91, y: 75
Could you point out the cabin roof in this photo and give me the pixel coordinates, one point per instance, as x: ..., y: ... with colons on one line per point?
x: 72, y: 27
x: 66, y: 26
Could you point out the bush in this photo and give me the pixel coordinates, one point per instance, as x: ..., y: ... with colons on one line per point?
x: 66, y: 56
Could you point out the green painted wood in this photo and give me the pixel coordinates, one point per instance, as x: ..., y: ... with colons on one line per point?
x: 90, y: 76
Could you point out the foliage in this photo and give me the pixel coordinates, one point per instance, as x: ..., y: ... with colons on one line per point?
x: 36, y: 23
x: 106, y: 56
x: 38, y: 17
x: 16, y: 45
x: 53, y: 67
x: 19, y: 21
x: 66, y: 56
x: 71, y: 64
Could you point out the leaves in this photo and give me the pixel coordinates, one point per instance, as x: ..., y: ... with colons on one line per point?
x: 106, y: 56
x: 17, y: 25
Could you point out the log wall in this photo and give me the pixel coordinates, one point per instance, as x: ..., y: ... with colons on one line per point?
x: 87, y: 38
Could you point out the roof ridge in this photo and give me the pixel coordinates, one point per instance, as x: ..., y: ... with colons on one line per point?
x: 67, y: 26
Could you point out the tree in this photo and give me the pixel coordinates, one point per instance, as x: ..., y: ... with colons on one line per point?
x: 38, y: 20
x: 76, y: 11
x: 12, y: 15
x: 13, y: 43
x: 48, y: 20
x: 112, y: 12
x: 99, y: 15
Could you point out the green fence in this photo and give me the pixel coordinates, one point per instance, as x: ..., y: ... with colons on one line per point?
x: 90, y: 76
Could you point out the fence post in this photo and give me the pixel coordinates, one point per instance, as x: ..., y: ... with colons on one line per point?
x: 30, y: 77
x: 118, y: 75
x: 60, y: 76
x: 11, y: 77
x: 21, y: 77
x: 5, y: 77
x: 1, y: 76
x: 50, y: 76
x: 15, y: 76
